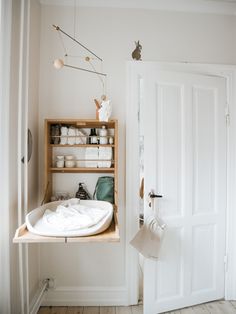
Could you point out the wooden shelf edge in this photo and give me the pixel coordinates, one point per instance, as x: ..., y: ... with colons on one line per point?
x: 22, y: 235
x: 84, y: 169
x: 81, y: 145
x: 85, y: 123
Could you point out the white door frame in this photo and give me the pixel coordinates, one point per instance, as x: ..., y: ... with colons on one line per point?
x: 5, y: 58
x: 134, y: 71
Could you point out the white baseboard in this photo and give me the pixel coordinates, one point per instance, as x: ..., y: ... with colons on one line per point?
x: 86, y: 296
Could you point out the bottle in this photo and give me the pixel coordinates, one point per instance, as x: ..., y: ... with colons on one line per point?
x: 82, y: 193
x: 93, y: 136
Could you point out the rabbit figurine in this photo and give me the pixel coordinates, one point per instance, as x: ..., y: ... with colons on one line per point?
x: 136, y: 54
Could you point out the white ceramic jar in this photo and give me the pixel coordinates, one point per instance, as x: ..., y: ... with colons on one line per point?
x: 60, y: 161
x: 103, y: 135
x: 60, y: 157
x: 69, y: 157
x: 69, y: 163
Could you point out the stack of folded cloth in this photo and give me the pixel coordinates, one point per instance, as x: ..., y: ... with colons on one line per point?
x: 105, y: 155
x: 91, y: 157
x: 80, y: 137
x: 71, y: 135
x: 64, y: 135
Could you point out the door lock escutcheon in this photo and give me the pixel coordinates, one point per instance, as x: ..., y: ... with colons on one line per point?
x: 152, y: 195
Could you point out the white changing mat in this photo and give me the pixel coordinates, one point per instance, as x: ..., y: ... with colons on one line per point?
x: 70, y: 218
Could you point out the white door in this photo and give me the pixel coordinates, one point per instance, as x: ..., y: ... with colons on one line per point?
x: 185, y: 161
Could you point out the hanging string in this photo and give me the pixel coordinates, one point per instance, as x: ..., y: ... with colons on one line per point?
x: 94, y: 69
x: 88, y: 59
x: 62, y: 42
x: 104, y: 82
x: 105, y: 88
x: 103, y: 91
x: 74, y: 16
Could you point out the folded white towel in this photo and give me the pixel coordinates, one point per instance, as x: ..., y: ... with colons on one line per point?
x: 80, y: 137
x: 64, y: 134
x: 149, y: 238
x: 73, y: 217
x: 105, y: 155
x: 91, y: 153
x: 72, y: 134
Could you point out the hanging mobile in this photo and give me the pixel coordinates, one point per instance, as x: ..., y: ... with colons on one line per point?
x: 59, y: 63
x: 103, y: 106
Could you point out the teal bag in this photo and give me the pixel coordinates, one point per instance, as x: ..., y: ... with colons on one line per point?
x: 104, y: 190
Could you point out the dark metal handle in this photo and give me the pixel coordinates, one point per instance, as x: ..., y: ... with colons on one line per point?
x: 152, y: 195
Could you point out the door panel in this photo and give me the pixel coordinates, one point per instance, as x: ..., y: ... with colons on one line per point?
x: 204, y: 112
x: 169, y: 138
x: 203, y: 243
x: 185, y: 161
x: 169, y: 269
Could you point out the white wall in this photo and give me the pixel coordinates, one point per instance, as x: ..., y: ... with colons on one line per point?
x: 13, y: 202
x: 33, y: 164
x: 165, y: 36
x: 33, y: 96
x: 234, y: 32
x: 5, y: 46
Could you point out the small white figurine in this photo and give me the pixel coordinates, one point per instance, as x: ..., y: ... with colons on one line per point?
x: 104, y: 111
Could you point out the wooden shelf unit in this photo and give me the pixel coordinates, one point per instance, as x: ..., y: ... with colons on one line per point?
x: 83, y: 124
x: 22, y: 234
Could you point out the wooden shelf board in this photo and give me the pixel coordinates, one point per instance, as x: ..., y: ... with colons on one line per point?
x: 83, y: 123
x: 82, y: 145
x: 85, y: 169
x: 22, y: 235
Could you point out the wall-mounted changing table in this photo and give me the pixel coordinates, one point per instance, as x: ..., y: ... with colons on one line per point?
x: 55, y: 142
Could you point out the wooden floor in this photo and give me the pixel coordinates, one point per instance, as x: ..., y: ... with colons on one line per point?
x: 217, y: 307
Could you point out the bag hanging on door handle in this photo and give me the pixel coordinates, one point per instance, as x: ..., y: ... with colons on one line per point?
x: 148, y: 239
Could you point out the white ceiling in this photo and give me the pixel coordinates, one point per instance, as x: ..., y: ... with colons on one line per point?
x: 227, y: 7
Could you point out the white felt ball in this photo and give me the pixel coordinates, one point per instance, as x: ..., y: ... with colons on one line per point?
x: 58, y: 63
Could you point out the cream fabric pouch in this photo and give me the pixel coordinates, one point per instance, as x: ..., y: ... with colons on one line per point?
x: 148, y: 239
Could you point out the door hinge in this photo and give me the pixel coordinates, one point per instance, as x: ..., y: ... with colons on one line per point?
x: 227, y: 115
x: 226, y: 262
